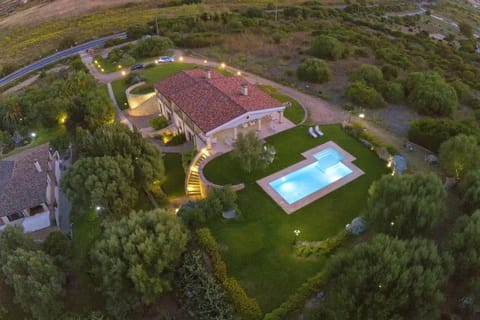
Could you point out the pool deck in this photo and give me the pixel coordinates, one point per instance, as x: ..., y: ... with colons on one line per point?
x: 291, y: 208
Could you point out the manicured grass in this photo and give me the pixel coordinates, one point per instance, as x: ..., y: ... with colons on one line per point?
x: 42, y: 136
x: 258, y: 246
x: 81, y: 296
x: 106, y: 65
x: 295, y: 112
x: 143, y: 89
x: 174, y: 185
x: 151, y: 75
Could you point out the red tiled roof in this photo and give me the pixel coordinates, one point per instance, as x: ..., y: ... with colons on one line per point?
x: 209, y: 103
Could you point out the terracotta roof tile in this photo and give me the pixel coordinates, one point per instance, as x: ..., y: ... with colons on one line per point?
x: 209, y: 103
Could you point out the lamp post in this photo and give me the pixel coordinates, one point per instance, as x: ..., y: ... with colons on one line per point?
x: 296, y: 232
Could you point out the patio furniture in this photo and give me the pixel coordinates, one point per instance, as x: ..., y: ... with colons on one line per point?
x: 228, y: 141
x: 245, y: 124
x: 214, y: 141
x: 318, y: 131
x: 312, y: 133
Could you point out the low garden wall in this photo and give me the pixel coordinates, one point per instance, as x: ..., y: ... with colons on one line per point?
x: 136, y: 100
x: 206, y: 184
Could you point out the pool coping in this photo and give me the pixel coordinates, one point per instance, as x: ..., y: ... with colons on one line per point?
x: 347, y: 160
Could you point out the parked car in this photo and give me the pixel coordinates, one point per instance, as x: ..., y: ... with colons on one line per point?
x: 137, y: 66
x: 165, y: 59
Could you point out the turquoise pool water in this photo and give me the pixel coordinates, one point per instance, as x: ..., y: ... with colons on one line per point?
x: 303, y: 182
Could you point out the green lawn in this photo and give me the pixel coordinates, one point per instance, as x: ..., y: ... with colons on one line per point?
x: 42, y: 136
x: 258, y: 246
x: 295, y: 112
x: 151, y: 75
x: 174, y: 185
x: 82, y: 297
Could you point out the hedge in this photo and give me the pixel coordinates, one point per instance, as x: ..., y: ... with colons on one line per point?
x: 297, y: 300
x: 247, y: 308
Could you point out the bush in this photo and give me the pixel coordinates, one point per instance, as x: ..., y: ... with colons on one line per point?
x: 58, y: 246
x: 202, y: 297
x: 158, y: 122
x: 430, y: 94
x: 132, y: 78
x: 393, y: 92
x: 431, y: 133
x: 327, y: 47
x: 324, y: 247
x: 314, y: 70
x: 365, y: 96
x: 470, y: 190
x: 150, y: 47
x: 297, y: 299
x: 389, y: 72
x: 245, y: 307
x: 369, y: 74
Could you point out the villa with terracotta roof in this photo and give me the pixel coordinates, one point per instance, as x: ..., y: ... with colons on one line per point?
x: 210, y: 108
x: 29, y: 189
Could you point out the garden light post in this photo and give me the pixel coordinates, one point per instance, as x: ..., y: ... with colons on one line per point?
x: 296, y: 232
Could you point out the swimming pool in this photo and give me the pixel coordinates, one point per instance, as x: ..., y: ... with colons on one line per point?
x: 301, y: 183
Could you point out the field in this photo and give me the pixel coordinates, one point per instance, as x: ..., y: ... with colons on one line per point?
x: 258, y: 246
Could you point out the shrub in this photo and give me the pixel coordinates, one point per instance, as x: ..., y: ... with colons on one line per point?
x: 389, y: 72
x: 247, y: 308
x: 202, y: 297
x: 365, y: 96
x: 393, y: 92
x: 132, y: 78
x: 158, y: 122
x: 360, y: 52
x: 430, y: 94
x: 58, y: 246
x: 431, y: 133
x: 314, y: 70
x: 327, y: 47
x: 370, y: 75
x: 297, y: 299
x: 152, y: 46
x: 470, y: 190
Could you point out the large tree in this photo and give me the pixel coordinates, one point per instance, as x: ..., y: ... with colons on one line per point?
x: 386, y: 279
x: 470, y: 190
x: 405, y: 206
x: 464, y: 246
x: 430, y: 94
x: 460, y: 154
x: 104, y: 182
x: 12, y: 238
x: 135, y: 257
x: 119, y: 140
x: 250, y: 152
x: 37, y: 283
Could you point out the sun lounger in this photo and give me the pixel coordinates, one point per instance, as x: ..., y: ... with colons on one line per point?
x: 318, y: 131
x: 312, y: 133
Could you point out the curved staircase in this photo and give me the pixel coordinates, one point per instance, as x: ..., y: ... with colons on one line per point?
x: 193, y: 184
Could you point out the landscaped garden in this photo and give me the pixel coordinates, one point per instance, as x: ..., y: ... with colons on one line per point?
x: 258, y: 246
x: 150, y: 76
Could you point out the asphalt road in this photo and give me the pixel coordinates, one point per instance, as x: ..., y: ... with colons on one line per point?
x: 58, y: 56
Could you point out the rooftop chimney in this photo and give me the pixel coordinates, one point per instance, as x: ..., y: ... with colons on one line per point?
x: 208, y: 73
x: 37, y: 165
x: 244, y: 89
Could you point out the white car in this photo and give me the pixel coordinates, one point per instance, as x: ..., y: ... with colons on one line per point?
x: 165, y: 59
